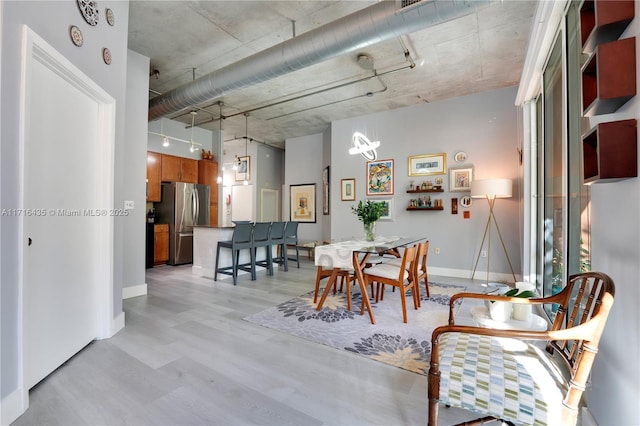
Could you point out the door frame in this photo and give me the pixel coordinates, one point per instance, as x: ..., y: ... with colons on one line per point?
x: 37, y: 49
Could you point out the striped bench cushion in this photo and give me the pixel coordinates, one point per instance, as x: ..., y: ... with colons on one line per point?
x: 494, y: 376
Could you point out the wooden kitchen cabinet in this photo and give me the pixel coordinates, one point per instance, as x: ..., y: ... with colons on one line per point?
x: 179, y: 169
x: 160, y: 243
x: 208, y: 175
x: 154, y: 176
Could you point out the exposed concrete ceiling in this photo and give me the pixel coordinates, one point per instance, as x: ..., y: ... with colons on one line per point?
x: 188, y: 39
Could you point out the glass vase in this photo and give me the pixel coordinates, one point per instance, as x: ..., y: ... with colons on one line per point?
x: 370, y: 231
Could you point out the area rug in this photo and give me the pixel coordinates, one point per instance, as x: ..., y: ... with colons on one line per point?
x: 390, y: 341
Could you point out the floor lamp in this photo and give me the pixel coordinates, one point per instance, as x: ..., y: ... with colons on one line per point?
x: 491, y: 189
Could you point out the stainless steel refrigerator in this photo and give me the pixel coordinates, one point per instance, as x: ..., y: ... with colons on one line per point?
x: 182, y: 206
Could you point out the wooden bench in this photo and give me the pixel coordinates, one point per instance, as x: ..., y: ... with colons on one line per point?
x: 308, y: 246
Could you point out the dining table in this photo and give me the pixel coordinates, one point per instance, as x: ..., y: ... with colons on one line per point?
x: 355, y: 255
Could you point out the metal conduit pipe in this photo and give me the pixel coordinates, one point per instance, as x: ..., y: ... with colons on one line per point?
x: 374, y: 24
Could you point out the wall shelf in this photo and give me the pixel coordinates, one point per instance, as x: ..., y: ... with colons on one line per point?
x: 424, y: 208
x: 418, y: 191
x: 609, y: 77
x: 610, y: 152
x: 602, y: 21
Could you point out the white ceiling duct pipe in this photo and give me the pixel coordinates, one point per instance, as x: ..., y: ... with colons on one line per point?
x: 382, y: 21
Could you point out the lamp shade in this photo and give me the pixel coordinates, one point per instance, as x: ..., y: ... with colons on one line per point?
x: 491, y: 188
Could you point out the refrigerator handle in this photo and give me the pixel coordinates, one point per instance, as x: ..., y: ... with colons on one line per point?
x: 196, y: 205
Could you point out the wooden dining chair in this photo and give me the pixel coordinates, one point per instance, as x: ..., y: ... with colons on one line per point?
x: 507, y: 374
x: 402, y: 276
x: 420, y: 271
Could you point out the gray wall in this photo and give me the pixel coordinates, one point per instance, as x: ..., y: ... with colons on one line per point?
x: 614, y: 389
x: 484, y: 126
x: 51, y: 20
x: 304, y: 164
x: 134, y: 176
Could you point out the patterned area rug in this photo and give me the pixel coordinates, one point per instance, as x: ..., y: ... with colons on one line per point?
x: 407, y: 346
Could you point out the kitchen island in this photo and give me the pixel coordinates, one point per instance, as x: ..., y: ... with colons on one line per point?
x: 205, y: 243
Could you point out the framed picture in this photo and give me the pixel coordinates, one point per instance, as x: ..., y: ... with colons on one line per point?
x: 303, y: 202
x: 243, y: 172
x: 325, y: 190
x: 460, y: 179
x: 348, y: 189
x: 380, y: 177
x: 388, y: 208
x: 424, y: 165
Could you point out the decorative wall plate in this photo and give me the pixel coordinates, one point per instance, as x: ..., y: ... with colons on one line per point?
x: 460, y: 156
x: 89, y: 11
x: 465, y: 201
x: 106, y: 56
x: 111, y: 19
x: 76, y: 35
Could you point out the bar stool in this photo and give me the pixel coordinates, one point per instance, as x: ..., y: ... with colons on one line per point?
x: 240, y: 240
x: 277, y: 239
x: 261, y: 234
x: 291, y: 237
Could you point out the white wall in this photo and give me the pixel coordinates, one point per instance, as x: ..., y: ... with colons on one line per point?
x: 615, y: 249
x: 483, y: 125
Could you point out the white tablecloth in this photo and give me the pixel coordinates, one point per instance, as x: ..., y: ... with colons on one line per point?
x: 339, y: 255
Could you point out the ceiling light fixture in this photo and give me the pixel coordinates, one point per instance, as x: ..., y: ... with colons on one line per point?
x: 363, y: 146
x: 165, y: 138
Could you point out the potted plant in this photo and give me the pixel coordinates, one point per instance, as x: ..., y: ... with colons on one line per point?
x: 369, y: 213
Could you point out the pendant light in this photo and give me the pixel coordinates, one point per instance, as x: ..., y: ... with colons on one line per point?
x: 193, y: 119
x: 219, y: 179
x: 246, y: 142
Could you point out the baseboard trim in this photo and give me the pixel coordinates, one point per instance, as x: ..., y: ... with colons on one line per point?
x: 134, y: 291
x: 12, y: 407
x: 118, y: 323
x: 465, y: 273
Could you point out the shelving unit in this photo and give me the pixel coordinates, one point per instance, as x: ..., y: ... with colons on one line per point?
x: 424, y: 208
x: 609, y: 77
x: 610, y: 152
x: 424, y: 191
x: 417, y: 191
x: 602, y: 21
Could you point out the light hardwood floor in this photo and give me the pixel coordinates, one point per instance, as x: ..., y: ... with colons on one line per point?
x: 186, y: 357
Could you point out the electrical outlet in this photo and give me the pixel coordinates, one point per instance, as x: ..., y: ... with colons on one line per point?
x: 437, y: 250
x: 483, y: 253
x: 128, y: 205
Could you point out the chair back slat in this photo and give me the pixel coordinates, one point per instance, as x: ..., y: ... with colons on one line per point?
x: 277, y: 231
x: 242, y: 233
x: 291, y: 230
x: 584, y: 298
x: 261, y: 231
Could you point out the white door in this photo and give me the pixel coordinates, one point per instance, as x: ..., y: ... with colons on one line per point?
x: 63, y: 232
